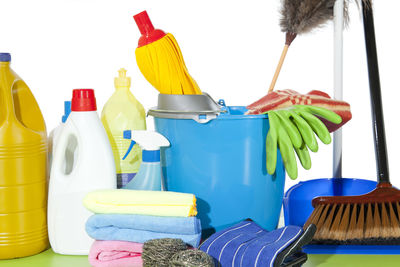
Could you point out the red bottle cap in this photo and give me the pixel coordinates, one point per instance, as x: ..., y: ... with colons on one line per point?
x: 146, y: 28
x: 83, y: 100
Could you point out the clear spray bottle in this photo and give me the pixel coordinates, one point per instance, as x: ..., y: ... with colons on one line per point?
x: 149, y: 176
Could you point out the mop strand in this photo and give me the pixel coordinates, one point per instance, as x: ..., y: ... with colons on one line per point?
x: 158, y: 252
x: 191, y: 258
x: 160, y: 60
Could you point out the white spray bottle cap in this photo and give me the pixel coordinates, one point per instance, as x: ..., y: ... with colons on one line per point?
x: 149, y: 141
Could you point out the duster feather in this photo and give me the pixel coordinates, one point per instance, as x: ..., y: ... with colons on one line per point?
x: 302, y: 16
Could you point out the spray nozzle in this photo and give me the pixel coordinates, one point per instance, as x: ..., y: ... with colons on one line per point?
x: 122, y: 80
x: 149, y: 141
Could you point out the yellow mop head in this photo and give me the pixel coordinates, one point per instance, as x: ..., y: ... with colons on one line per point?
x: 160, y: 60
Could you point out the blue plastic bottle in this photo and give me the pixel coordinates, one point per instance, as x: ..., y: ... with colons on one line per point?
x: 149, y: 176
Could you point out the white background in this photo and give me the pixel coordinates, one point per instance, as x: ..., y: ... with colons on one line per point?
x: 230, y: 47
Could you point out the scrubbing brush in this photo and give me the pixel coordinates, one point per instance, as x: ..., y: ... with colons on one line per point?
x: 373, y: 218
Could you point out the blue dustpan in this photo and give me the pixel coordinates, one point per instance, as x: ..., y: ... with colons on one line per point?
x: 297, y: 200
x: 297, y: 208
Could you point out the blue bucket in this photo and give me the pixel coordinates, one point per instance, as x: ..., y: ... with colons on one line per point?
x: 297, y: 201
x: 223, y: 163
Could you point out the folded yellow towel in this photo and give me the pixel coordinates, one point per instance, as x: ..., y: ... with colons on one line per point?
x: 156, y: 203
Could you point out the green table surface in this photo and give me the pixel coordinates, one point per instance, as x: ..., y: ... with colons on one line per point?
x: 50, y: 259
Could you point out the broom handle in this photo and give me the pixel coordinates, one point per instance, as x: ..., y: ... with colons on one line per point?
x: 338, y: 82
x: 375, y: 94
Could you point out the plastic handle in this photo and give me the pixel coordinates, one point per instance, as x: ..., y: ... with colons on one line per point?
x: 378, y: 124
x: 61, y: 147
x: 8, y: 99
x: 8, y: 83
x: 144, y: 23
x: 338, y: 82
x: 147, y: 30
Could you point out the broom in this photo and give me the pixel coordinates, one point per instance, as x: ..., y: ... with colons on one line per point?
x: 299, y: 17
x: 160, y: 60
x: 372, y: 218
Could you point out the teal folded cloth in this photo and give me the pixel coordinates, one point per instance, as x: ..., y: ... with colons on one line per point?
x: 141, y: 228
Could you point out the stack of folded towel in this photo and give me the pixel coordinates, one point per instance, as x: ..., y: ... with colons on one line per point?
x: 125, y: 219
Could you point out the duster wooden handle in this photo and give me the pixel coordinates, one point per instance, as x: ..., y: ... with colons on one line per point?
x: 278, y: 68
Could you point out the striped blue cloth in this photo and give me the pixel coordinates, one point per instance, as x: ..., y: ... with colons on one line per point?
x: 246, y: 244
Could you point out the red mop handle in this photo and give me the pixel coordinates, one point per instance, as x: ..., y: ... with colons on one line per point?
x: 146, y: 28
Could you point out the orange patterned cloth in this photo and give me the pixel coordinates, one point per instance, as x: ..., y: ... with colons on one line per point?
x: 281, y: 99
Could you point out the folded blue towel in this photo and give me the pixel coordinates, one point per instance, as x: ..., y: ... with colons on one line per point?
x: 247, y: 244
x: 141, y: 228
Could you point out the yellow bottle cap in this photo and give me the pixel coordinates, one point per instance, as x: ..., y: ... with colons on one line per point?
x: 122, y: 80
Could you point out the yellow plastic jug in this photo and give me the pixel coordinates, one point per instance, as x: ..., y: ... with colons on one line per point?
x: 123, y: 112
x: 23, y: 159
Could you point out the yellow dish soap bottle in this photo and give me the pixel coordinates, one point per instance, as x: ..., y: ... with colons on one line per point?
x: 23, y: 159
x: 123, y: 111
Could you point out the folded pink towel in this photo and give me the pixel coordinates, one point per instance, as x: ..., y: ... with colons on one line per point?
x: 116, y: 254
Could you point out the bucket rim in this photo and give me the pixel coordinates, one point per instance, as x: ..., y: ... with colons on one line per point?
x: 219, y: 116
x: 292, y: 188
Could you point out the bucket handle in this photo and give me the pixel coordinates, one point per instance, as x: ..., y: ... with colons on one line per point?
x: 204, y: 118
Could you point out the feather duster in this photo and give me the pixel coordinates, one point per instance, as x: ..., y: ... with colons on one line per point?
x: 302, y: 16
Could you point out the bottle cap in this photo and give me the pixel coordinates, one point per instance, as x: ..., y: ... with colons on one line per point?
x: 146, y: 28
x: 122, y: 80
x: 5, y: 57
x: 83, y: 100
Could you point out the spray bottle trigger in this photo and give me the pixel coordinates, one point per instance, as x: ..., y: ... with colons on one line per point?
x: 128, y: 135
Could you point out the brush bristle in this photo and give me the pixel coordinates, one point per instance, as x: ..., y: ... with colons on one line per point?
x: 357, y: 224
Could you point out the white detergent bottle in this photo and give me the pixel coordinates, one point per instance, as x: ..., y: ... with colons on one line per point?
x: 55, y: 133
x: 82, y: 162
x: 149, y: 176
